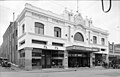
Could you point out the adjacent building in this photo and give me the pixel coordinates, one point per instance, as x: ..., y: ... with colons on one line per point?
x: 9, y: 45
x: 48, y: 40
x: 114, y: 51
x: 0, y: 51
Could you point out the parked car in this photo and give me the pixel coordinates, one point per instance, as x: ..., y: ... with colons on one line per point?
x: 2, y: 59
x: 5, y: 64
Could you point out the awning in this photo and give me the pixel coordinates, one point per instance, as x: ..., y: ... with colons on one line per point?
x: 76, y: 47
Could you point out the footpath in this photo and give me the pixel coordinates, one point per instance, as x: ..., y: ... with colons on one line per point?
x: 48, y: 70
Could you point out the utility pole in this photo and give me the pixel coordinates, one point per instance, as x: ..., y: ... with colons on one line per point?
x: 77, y: 6
x: 13, y: 16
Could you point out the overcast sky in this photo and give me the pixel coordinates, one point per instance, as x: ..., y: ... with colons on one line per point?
x: 93, y: 9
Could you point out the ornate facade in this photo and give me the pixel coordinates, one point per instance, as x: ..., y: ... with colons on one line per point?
x: 48, y: 40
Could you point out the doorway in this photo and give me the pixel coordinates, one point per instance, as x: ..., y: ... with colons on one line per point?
x: 46, y: 59
x: 78, y: 59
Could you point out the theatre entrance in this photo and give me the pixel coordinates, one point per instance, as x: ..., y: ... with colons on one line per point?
x: 77, y: 59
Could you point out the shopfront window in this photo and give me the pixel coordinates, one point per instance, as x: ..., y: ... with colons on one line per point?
x: 58, y: 54
x: 57, y: 63
x: 36, y: 53
x: 79, y: 37
x: 57, y: 59
x: 36, y: 62
x: 22, y: 53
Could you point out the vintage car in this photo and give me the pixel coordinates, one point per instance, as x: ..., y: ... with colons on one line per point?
x: 4, y: 62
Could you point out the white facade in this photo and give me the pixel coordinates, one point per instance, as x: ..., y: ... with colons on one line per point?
x: 69, y: 25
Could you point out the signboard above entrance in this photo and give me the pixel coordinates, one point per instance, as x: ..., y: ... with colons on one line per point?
x: 75, y: 47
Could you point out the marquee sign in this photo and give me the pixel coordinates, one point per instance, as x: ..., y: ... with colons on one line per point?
x: 75, y: 47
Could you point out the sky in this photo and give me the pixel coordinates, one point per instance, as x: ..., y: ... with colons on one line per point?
x: 91, y: 8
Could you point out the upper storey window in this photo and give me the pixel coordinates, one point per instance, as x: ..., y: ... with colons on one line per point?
x: 57, y: 32
x: 39, y: 28
x: 79, y: 37
x: 102, y: 41
x: 94, y: 40
x: 23, y: 28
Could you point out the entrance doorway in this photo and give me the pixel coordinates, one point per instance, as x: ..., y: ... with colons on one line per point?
x: 76, y: 59
x: 78, y: 62
x: 46, y: 59
x: 98, y: 60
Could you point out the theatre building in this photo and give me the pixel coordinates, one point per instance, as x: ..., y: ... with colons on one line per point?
x: 49, y: 40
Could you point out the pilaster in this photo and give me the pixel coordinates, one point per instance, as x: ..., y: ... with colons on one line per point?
x: 91, y: 59
x: 65, y: 61
x: 28, y: 58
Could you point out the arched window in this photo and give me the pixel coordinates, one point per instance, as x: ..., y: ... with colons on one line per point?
x: 79, y: 37
x: 94, y: 40
x: 39, y: 28
x: 57, y: 32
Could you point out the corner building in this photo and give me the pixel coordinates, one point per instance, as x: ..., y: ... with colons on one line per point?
x: 48, y: 40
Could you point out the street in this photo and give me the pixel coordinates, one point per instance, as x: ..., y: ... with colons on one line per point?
x: 81, y: 72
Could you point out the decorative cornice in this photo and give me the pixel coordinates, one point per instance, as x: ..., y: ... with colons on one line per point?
x: 49, y: 14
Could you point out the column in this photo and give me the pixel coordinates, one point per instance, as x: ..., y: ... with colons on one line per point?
x: 107, y: 58
x: 18, y: 57
x: 91, y: 60
x: 65, y: 61
x: 28, y: 59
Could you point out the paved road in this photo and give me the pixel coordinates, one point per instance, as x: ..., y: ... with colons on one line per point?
x: 81, y: 72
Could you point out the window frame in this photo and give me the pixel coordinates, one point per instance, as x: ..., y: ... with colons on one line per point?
x: 57, y: 32
x: 82, y: 37
x: 22, y: 42
x: 23, y: 28
x: 102, y: 41
x: 94, y: 39
x: 39, y: 28
x: 34, y: 41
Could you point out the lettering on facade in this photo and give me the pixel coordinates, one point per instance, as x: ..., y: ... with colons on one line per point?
x: 89, y: 49
x: 75, y: 55
x: 95, y: 49
x: 79, y: 48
